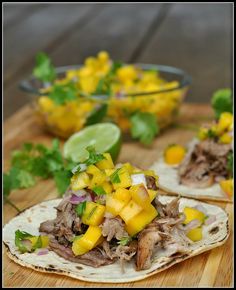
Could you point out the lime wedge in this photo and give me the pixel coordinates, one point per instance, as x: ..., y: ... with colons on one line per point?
x: 105, y: 137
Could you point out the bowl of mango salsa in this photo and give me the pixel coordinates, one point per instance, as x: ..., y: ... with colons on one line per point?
x: 69, y: 98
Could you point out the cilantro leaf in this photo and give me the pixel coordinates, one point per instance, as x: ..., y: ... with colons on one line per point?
x: 80, y: 208
x: 144, y: 127
x: 44, y: 69
x: 62, y: 180
x: 26, y: 179
x: 62, y: 93
x: 19, y: 237
x: 93, y: 156
x: 115, y: 176
x: 124, y: 241
x: 97, y: 115
x: 99, y: 190
x: 222, y: 102
x: 230, y: 162
x: 6, y: 184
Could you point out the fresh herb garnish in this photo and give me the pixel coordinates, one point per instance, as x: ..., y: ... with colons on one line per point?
x: 115, y: 176
x: 19, y: 237
x: 99, y: 190
x: 97, y: 115
x: 144, y: 127
x: 44, y: 69
x: 62, y: 93
x: 80, y: 208
x: 222, y: 102
x: 91, y: 212
x: 230, y: 162
x: 124, y: 241
x: 211, y: 133
x: 94, y: 157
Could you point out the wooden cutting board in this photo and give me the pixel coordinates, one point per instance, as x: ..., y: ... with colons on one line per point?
x: 210, y: 269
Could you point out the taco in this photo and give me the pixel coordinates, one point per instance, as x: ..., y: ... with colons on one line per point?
x: 205, y: 171
x: 112, y: 226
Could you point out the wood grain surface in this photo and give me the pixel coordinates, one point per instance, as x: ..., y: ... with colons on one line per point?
x: 210, y: 269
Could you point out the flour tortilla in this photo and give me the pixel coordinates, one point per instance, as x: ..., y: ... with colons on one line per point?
x: 168, y: 182
x: 214, y: 235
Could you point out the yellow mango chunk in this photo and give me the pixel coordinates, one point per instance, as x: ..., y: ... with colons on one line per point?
x: 109, y: 172
x: 140, y: 195
x: 129, y: 167
x: 114, y: 205
x: 107, y: 187
x: 203, y: 133
x: 192, y: 214
x: 44, y: 240
x: 122, y: 194
x: 195, y: 234
x: 106, y: 163
x: 124, y: 177
x: 79, y: 181
x: 174, y: 154
x: 225, y: 138
x: 129, y: 211
x: 139, y: 222
x: 98, y: 177
x: 77, y: 248
x: 152, y: 194
x: 91, y: 237
x: 93, y: 214
x: 227, y: 186
x: 225, y: 122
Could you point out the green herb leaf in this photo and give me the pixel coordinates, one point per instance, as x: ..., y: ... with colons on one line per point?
x: 230, y: 161
x: 99, y: 190
x: 124, y: 241
x: 6, y: 184
x: 44, y: 69
x: 93, y: 156
x: 211, y: 134
x: 19, y: 237
x: 144, y: 127
x: 62, y: 180
x: 26, y: 179
x: 222, y: 102
x: 97, y: 115
x: 62, y: 93
x: 80, y: 208
x: 91, y: 213
x: 115, y: 176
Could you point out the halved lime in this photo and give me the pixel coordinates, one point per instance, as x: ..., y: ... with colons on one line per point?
x: 105, y: 137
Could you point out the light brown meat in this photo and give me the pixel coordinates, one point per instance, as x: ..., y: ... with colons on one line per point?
x: 113, y: 228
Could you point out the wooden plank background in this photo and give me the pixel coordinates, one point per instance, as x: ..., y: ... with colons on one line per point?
x: 210, y: 269
x: 194, y: 37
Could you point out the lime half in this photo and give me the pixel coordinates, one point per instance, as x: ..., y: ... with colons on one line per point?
x: 105, y: 137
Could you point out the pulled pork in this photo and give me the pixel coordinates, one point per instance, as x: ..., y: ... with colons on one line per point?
x: 204, y: 164
x: 113, y: 228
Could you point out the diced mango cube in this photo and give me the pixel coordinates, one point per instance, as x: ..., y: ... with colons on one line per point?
x: 122, y: 194
x: 225, y: 121
x: 225, y: 138
x: 91, y: 237
x: 106, y: 163
x: 129, y: 167
x: 98, y: 176
x: 174, y: 154
x: 44, y: 240
x: 79, y: 181
x: 107, y: 187
x: 93, y: 214
x: 227, y: 186
x: 109, y: 172
x: 152, y: 194
x: 195, y: 234
x: 129, y: 211
x: 140, y: 195
x: 139, y: 222
x: 114, y: 205
x: 125, y: 179
x: 192, y: 214
x: 77, y: 248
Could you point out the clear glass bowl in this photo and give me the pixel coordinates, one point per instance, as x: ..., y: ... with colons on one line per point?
x: 64, y: 120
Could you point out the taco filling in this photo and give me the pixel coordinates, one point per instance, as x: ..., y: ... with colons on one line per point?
x: 112, y: 213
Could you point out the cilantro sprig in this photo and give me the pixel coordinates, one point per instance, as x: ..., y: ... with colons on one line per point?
x: 144, y: 127
x: 62, y: 93
x: 44, y: 70
x: 115, y: 178
x: 124, y: 241
x: 94, y: 157
x: 34, y: 162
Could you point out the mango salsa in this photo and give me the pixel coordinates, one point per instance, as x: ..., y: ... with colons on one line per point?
x: 44, y: 240
x: 114, y: 205
x: 124, y: 179
x: 93, y: 214
x: 79, y: 181
x: 130, y: 211
x: 106, y: 163
x: 174, y: 154
x: 140, y: 195
x: 195, y: 234
x: 192, y: 214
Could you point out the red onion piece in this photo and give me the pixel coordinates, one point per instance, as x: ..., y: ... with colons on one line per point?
x: 211, y: 219
x: 192, y: 225
x: 200, y: 208
x: 75, y: 199
x: 41, y: 252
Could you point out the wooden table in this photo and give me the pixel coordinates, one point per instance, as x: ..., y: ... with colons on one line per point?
x: 211, y: 269
x: 194, y: 37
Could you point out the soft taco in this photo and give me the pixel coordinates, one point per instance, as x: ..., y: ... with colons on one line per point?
x: 112, y: 226
x: 203, y: 170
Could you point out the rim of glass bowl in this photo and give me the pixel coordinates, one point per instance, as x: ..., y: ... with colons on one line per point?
x: 185, y: 79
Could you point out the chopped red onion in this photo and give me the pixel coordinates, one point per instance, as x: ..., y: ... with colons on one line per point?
x: 41, y: 252
x: 211, y: 219
x: 200, y: 208
x: 138, y: 178
x: 75, y: 199
x: 192, y: 225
